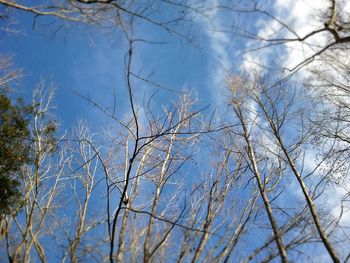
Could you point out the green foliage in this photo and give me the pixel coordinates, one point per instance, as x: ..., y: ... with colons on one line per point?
x: 15, y: 145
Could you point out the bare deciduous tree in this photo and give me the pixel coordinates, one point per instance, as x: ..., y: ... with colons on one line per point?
x: 274, y: 110
x: 25, y: 227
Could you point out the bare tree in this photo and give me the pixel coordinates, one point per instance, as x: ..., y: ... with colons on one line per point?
x: 9, y: 75
x: 237, y: 104
x: 83, y: 182
x: 28, y: 222
x: 275, y: 111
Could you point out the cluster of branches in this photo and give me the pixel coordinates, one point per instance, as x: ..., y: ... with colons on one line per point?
x: 145, y: 190
x: 112, y: 14
x: 331, y: 27
x: 170, y: 185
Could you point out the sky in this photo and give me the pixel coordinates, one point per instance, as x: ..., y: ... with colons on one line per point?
x: 90, y: 63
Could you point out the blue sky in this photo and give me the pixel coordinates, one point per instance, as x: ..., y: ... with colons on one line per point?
x: 91, y: 64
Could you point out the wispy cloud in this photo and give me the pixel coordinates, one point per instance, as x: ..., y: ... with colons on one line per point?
x: 221, y: 58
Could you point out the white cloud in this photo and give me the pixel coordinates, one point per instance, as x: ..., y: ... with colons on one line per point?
x: 221, y: 58
x: 299, y: 16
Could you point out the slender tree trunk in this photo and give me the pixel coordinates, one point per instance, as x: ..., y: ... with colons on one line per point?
x: 311, y: 204
x: 303, y: 187
x: 273, y: 222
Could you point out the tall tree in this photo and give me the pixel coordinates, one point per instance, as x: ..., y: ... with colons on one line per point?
x: 15, y: 148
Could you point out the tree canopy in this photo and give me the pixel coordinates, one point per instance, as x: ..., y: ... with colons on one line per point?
x: 15, y: 146
x: 178, y: 131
